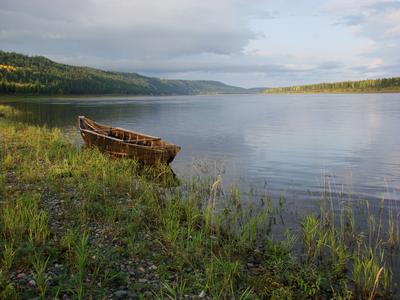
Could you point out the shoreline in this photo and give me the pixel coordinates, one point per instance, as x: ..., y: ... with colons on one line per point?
x: 99, y: 97
x: 89, y: 97
x: 79, y: 224
x: 335, y: 92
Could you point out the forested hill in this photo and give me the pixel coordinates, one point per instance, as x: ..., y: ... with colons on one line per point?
x: 362, y: 86
x: 21, y: 74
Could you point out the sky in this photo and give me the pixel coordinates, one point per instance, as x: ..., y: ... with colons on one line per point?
x: 248, y: 43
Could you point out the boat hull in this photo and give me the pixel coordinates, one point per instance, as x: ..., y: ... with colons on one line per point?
x: 146, y: 149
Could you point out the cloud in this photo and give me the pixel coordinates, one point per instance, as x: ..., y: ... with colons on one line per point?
x: 251, y: 43
x: 385, y: 5
x: 330, y: 65
x: 210, y: 63
x: 371, y: 18
x: 267, y: 14
x: 351, y: 20
x: 379, y: 22
x: 127, y: 28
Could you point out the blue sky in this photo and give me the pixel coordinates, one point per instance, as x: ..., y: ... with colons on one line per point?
x: 245, y: 43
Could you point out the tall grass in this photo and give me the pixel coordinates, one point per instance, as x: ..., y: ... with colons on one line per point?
x: 7, y: 289
x: 40, y: 265
x: 23, y: 218
x: 370, y: 273
x: 81, y: 260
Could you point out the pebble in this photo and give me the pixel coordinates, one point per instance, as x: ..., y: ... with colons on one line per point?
x: 148, y: 294
x: 21, y: 275
x: 121, y: 294
x: 153, y: 268
x: 142, y: 280
x: 32, y: 282
x: 141, y: 269
x: 202, y: 294
x: 251, y: 259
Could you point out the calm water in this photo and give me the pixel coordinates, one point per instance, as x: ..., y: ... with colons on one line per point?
x: 282, y: 144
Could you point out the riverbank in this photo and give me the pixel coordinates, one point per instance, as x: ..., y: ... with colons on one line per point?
x: 335, y: 92
x: 346, y: 91
x: 381, y: 85
x: 78, y: 224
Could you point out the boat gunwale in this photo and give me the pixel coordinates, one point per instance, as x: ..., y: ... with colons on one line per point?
x: 153, y: 148
x: 121, y: 129
x: 138, y: 133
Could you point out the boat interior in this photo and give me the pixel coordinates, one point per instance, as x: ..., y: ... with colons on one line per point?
x: 124, y: 136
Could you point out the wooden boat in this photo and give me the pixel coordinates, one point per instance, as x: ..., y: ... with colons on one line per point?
x: 120, y: 142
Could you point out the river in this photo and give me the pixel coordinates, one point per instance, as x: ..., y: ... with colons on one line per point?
x: 296, y: 146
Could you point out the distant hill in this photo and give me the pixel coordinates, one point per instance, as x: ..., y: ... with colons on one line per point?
x: 362, y: 86
x: 257, y: 90
x: 22, y: 74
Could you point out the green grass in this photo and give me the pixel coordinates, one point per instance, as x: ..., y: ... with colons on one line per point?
x: 85, y: 225
x: 7, y: 111
x: 40, y: 265
x: 81, y: 258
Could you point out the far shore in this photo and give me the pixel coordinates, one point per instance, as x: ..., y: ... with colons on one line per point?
x: 112, y: 97
x: 89, y: 97
x: 388, y: 91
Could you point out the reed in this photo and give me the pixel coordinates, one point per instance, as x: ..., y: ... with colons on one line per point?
x: 339, y: 253
x: 221, y: 274
x: 393, y: 230
x: 369, y: 273
x: 310, y: 226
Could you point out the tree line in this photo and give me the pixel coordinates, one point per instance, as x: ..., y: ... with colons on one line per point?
x: 22, y: 74
x: 370, y: 85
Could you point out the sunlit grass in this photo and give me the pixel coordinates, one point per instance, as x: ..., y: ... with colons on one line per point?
x: 7, y: 111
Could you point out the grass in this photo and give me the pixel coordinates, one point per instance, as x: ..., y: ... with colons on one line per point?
x: 81, y: 258
x: 7, y: 111
x: 85, y: 225
x: 40, y: 265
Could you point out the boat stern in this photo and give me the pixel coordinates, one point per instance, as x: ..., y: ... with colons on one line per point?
x: 81, y: 122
